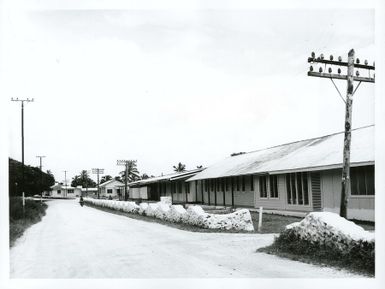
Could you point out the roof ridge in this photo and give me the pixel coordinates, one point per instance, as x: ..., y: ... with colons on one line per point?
x: 308, y: 139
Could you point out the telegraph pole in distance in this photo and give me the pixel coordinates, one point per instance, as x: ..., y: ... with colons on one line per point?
x: 22, y: 139
x: 350, y: 78
x: 41, y: 177
x: 98, y: 171
x: 124, y: 163
x: 65, y: 182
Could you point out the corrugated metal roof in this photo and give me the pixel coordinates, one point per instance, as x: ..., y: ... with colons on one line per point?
x: 311, y: 154
x: 110, y: 181
x: 167, y: 177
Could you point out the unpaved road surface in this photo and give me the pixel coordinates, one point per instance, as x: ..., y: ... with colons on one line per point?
x: 83, y: 242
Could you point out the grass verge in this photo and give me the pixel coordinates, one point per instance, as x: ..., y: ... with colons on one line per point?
x: 19, y: 221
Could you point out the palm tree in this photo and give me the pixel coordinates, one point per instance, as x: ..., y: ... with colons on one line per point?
x: 132, y: 172
x: 144, y: 176
x: 180, y: 167
x: 105, y: 178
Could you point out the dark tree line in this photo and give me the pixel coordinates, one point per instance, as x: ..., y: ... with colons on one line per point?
x: 35, y: 180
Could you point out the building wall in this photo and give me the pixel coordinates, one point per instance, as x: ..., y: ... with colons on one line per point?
x: 359, y: 207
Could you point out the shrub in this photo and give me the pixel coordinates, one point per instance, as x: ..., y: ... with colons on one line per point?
x: 19, y: 221
x: 328, y: 237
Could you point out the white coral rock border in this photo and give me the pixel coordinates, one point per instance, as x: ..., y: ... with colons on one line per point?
x: 194, y: 215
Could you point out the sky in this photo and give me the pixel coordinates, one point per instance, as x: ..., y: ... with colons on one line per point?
x: 163, y: 86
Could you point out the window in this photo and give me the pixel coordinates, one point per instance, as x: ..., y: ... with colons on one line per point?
x: 206, y: 185
x: 109, y: 191
x: 362, y: 180
x: 212, y: 184
x: 297, y: 189
x: 273, y: 182
x: 226, y: 184
x: 243, y: 183
x: 238, y: 181
x: 70, y: 191
x: 187, y: 188
x: 262, y: 187
x: 222, y: 185
x: 251, y: 183
x: 59, y: 191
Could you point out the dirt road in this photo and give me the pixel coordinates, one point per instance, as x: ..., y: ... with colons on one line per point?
x: 83, y: 242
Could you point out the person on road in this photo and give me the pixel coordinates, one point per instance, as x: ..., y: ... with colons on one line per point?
x: 81, y: 201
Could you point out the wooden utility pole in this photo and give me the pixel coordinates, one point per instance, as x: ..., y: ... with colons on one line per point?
x: 124, y: 163
x: 41, y: 176
x: 22, y: 140
x: 65, y: 183
x: 98, y: 172
x: 350, y: 78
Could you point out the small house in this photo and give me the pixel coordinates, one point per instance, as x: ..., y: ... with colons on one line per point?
x: 62, y: 191
x: 111, y: 189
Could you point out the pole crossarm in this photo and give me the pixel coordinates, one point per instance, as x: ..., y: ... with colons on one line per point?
x: 339, y: 76
x: 339, y: 63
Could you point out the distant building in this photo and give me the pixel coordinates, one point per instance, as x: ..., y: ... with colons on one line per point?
x: 302, y: 176
x: 86, y: 192
x: 61, y: 191
x: 111, y: 188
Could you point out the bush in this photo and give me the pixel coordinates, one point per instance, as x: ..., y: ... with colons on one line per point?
x: 19, y: 221
x: 326, y: 237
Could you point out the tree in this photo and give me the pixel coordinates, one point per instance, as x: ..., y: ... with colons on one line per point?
x: 32, y: 185
x: 84, y: 180
x: 144, y: 176
x: 105, y: 178
x: 132, y: 172
x: 118, y: 178
x: 179, y: 167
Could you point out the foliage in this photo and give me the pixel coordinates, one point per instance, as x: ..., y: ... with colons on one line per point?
x: 105, y: 178
x: 118, y: 178
x: 84, y: 180
x: 35, y: 180
x: 179, y: 167
x: 358, y: 255
x: 144, y: 176
x: 19, y: 221
x: 132, y: 172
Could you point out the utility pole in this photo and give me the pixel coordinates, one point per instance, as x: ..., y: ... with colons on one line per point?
x: 350, y: 78
x: 98, y: 171
x: 22, y: 139
x: 124, y: 163
x: 65, y: 183
x: 41, y: 176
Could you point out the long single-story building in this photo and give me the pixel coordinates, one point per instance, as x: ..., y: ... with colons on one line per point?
x: 301, y: 176
x: 172, y: 185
